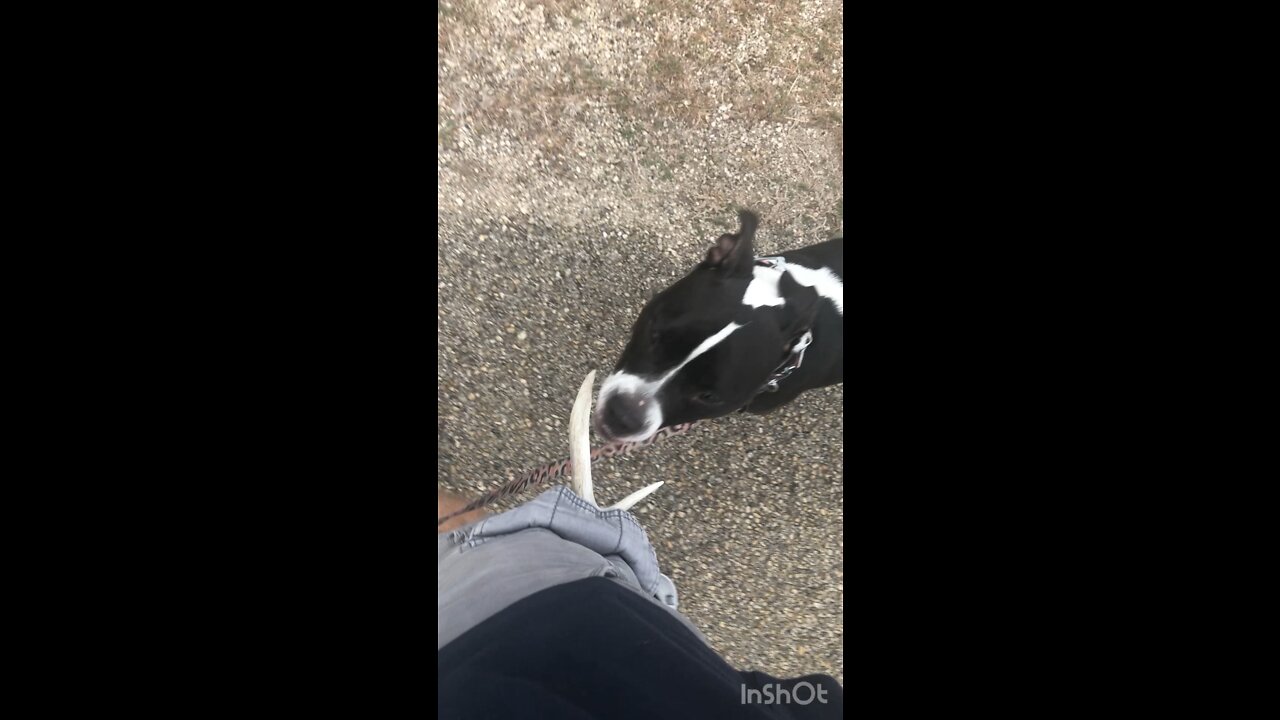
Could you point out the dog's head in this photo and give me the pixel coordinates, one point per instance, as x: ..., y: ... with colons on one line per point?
x: 705, y: 346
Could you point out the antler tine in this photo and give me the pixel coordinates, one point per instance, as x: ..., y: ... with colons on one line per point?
x: 580, y: 441
x: 627, y: 502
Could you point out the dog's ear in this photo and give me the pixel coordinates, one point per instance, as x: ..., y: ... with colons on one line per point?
x: 801, y: 308
x: 734, y: 254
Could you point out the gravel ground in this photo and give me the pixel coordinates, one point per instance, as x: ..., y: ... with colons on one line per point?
x: 587, y: 155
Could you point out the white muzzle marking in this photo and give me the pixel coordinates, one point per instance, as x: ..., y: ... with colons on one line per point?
x: 647, y: 389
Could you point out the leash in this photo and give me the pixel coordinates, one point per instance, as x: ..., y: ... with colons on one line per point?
x: 562, y: 468
x: 554, y: 470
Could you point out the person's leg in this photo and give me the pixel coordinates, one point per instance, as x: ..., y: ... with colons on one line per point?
x: 475, y: 583
x: 553, y: 539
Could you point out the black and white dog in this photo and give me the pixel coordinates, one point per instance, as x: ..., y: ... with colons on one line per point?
x: 737, y: 333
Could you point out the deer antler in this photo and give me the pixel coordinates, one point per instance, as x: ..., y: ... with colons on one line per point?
x: 580, y: 451
x: 580, y: 441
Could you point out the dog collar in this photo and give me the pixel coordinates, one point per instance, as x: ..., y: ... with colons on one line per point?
x: 793, y: 361
x: 796, y: 358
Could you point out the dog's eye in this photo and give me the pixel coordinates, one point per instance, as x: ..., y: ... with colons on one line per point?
x: 709, y: 398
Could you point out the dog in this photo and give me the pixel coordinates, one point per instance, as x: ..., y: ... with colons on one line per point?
x: 738, y: 333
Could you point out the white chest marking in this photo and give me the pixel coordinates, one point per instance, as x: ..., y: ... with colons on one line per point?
x: 763, y: 289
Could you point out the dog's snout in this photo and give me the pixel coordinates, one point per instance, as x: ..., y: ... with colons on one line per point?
x: 623, y: 415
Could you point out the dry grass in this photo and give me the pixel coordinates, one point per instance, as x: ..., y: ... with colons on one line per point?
x: 773, y: 61
x: 771, y: 66
x: 657, y: 94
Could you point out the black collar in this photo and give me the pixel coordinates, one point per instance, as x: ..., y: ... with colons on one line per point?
x: 798, y: 345
x: 788, y: 366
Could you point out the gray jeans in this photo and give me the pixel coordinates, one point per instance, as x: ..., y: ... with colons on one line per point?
x: 555, y: 538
